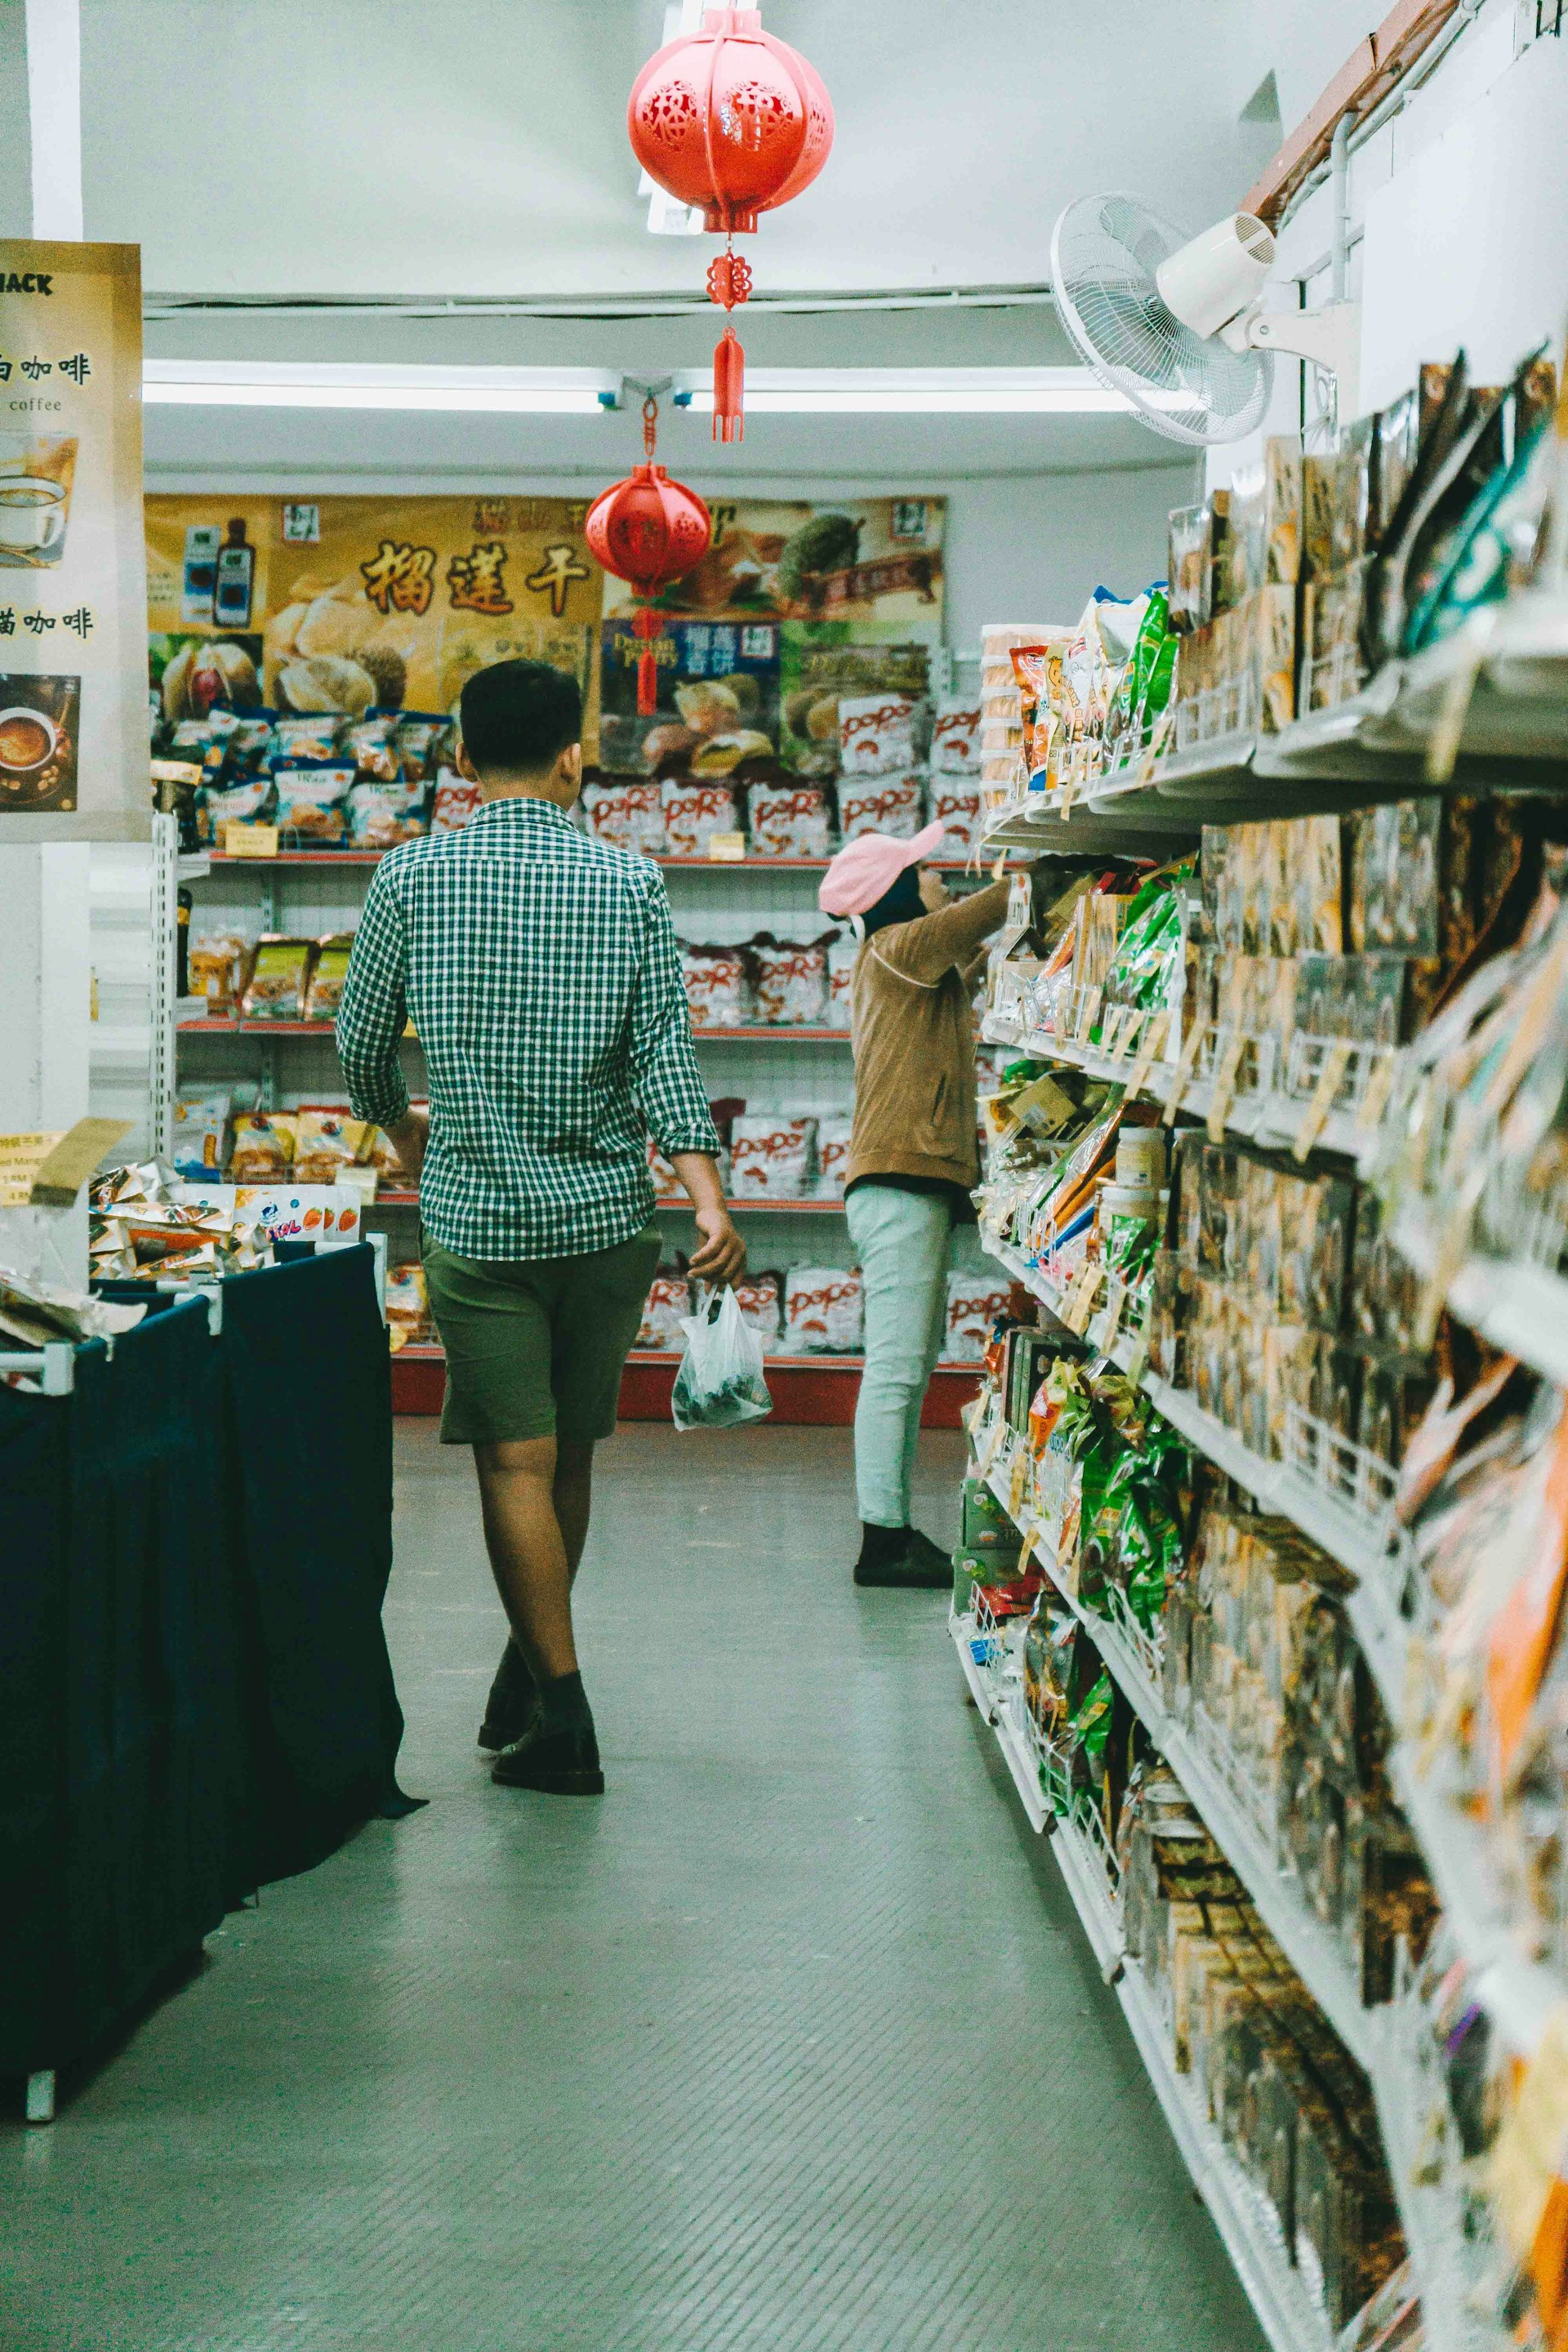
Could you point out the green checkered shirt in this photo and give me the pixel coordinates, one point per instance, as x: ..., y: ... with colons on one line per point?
x: 542, y: 976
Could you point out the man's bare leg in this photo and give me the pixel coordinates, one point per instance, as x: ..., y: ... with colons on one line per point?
x: 530, y: 1555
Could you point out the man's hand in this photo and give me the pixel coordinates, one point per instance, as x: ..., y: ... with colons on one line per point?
x: 409, y: 1138
x: 720, y: 1256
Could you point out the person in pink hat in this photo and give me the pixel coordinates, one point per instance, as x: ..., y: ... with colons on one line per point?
x: 913, y: 1158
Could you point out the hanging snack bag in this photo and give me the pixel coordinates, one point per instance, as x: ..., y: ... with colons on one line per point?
x: 665, y: 1310
x: 833, y: 1135
x: 789, y: 821
x: 313, y: 800
x: 693, y: 813
x: 416, y: 742
x: 328, y: 973
x: 790, y: 980
x: 771, y: 1155
x: 889, y: 804
x: 717, y: 989
x: 455, y: 802
x: 824, y: 1310
x: 315, y: 737
x: 973, y: 1303
x: 249, y: 801
x: 843, y: 950
x: 326, y: 1142
x: 200, y: 1125
x: 759, y: 1299
x: 368, y: 741
x: 627, y: 812
x: 955, y: 738
x: 876, y: 734
x: 263, y: 1146
x: 276, y: 986
x: 955, y: 804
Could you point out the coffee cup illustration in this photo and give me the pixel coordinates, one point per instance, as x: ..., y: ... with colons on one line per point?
x: 27, y: 740
x: 33, y: 512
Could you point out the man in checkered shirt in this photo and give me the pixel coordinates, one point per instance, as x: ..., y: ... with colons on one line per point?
x: 541, y: 973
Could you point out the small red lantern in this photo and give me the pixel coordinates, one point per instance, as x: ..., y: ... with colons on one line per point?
x: 648, y: 530
x: 739, y: 122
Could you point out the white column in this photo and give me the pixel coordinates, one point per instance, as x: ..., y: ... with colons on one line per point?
x: 46, y: 980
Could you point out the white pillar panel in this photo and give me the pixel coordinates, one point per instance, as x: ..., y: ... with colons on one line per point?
x: 54, y: 108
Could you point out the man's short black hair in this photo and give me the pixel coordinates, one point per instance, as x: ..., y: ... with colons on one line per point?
x: 518, y: 716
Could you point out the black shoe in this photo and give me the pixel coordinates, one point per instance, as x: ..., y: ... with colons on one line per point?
x: 917, y: 1567
x: 513, y: 1696
x: 562, y: 1763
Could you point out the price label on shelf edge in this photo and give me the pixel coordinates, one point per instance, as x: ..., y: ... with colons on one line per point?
x: 1153, y: 1038
x: 1331, y: 1079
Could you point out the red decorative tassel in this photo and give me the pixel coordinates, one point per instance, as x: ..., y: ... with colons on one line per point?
x: 648, y: 626
x: 729, y: 387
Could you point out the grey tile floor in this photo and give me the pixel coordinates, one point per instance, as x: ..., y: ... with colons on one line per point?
x: 791, y: 2041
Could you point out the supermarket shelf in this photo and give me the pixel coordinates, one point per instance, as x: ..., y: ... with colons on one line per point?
x: 1267, y: 1117
x: 332, y: 858
x: 1518, y: 1306
x: 223, y: 1025
x: 1250, y: 2233
x: 1316, y: 1957
x: 813, y: 1362
x: 746, y: 1205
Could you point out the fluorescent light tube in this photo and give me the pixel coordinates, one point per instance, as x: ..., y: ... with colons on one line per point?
x: 949, y: 392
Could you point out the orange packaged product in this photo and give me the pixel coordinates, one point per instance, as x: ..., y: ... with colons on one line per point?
x: 263, y: 1146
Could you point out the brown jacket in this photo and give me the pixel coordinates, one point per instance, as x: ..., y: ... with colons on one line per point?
x: 914, y: 1044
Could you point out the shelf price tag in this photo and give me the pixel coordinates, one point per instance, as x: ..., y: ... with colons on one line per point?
x: 1224, y: 1076
x: 1076, y: 1312
x: 726, y: 848
x: 1183, y: 1077
x: 1088, y: 1012
x: 1133, y: 1018
x: 1153, y: 1038
x: 250, y: 841
x: 1331, y: 1079
x: 1018, y: 1484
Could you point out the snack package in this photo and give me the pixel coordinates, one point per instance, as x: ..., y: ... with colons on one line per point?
x: 275, y: 986
x: 761, y: 1302
x: 249, y: 801
x: 328, y: 973
x: 973, y: 1303
x: 368, y: 741
x: 313, y: 800
x: 955, y: 738
x: 381, y: 813
x: 1189, y: 568
x: 263, y: 1146
x: 200, y: 1125
x: 833, y: 1137
x: 824, y: 1310
x: 717, y: 988
x: 693, y: 813
x: 328, y: 1141
x: 789, y: 821
x: 330, y: 1216
x: 956, y: 805
x: 627, y: 812
x: 214, y: 968
x: 415, y: 743
x: 843, y: 950
x: 407, y: 1305
x: 771, y: 1155
x: 668, y: 1305
x: 878, y: 734
x: 312, y: 737
x: 890, y: 804
x: 456, y: 800
x: 790, y: 980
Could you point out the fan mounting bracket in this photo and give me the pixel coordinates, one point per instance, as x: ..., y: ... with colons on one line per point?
x: 1330, y: 338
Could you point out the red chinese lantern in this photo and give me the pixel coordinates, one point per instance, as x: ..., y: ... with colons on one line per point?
x: 734, y: 120
x: 648, y: 530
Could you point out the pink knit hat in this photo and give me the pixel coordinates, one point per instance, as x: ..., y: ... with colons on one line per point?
x: 870, y: 865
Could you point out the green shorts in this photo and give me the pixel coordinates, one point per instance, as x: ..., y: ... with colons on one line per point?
x: 535, y: 1348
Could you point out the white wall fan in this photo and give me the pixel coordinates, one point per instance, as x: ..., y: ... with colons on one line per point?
x: 1174, y: 322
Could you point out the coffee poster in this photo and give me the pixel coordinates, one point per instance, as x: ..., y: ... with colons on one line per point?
x: 73, y: 702
x: 348, y: 603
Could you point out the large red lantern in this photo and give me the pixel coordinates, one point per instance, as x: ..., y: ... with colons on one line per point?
x: 734, y: 120
x: 648, y: 530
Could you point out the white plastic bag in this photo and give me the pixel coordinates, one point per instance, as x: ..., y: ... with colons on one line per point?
x: 719, y: 1384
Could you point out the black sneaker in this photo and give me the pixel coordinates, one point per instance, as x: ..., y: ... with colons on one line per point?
x: 563, y: 1763
x: 513, y: 1696
x: 918, y: 1566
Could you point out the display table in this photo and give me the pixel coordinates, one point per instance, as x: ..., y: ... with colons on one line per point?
x: 194, y: 1689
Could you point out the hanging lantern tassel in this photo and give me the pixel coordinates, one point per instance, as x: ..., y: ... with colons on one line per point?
x: 729, y: 387
x: 648, y: 628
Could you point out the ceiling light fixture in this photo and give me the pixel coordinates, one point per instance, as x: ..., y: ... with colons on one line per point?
x: 582, y: 392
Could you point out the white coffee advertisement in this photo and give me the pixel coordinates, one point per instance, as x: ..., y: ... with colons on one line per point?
x: 73, y: 682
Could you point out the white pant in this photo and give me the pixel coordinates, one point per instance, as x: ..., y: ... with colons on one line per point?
x: 901, y: 1240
